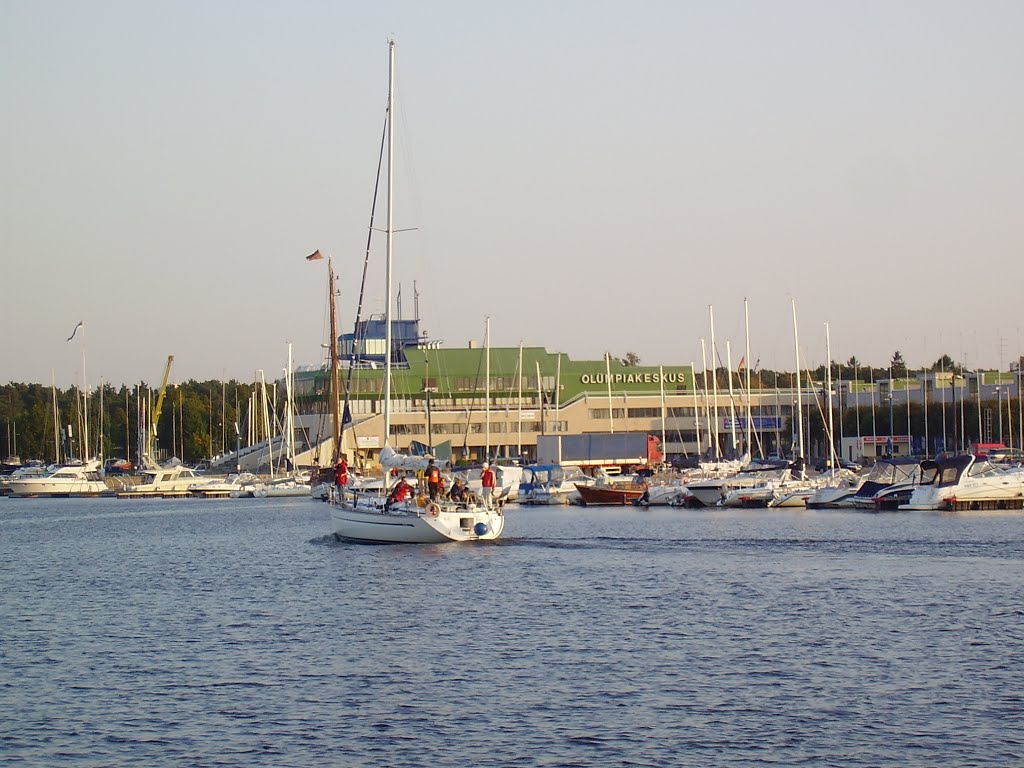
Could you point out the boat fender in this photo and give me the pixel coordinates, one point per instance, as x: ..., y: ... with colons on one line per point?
x: 480, y: 529
x: 433, y: 510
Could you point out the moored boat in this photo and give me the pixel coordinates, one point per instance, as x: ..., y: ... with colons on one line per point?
x: 611, y: 494
x: 966, y: 482
x: 72, y: 480
x: 171, y: 480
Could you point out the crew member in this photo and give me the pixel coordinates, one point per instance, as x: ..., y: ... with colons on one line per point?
x: 459, y: 492
x: 398, y: 494
x: 487, y: 485
x: 341, y: 475
x: 433, y: 480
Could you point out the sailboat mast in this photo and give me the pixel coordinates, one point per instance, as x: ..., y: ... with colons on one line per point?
x: 696, y: 412
x: 608, y: 381
x: 714, y: 381
x: 390, y: 238
x: 661, y: 380
x: 519, y: 446
x: 487, y: 389
x: 56, y: 419
x: 335, y: 415
x: 707, y: 404
x: 799, y: 395
x: 828, y: 383
x: 746, y: 358
x: 732, y: 401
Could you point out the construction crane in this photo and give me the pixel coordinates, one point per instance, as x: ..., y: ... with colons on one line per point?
x: 147, y: 459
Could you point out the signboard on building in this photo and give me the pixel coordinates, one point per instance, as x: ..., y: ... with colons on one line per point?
x: 368, y: 441
x: 760, y: 423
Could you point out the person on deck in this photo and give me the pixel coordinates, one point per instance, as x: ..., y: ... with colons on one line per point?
x: 398, y: 494
x: 341, y: 476
x: 459, y: 492
x: 433, y: 480
x: 487, y: 485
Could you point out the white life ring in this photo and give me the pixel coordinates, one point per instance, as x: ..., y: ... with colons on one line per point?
x: 433, y: 510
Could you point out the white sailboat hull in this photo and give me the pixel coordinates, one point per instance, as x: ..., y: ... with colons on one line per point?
x: 413, y: 526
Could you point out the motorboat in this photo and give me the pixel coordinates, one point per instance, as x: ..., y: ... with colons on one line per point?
x: 967, y: 482
x: 31, y: 469
x: 710, y: 491
x: 836, y: 490
x: 551, y: 484
x: 237, y: 485
x: 608, y: 492
x: 172, y: 479
x: 291, y: 485
x: 65, y: 481
x: 890, y: 483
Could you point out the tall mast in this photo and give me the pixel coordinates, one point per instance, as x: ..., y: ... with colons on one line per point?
x: 608, y: 381
x: 661, y: 380
x: 732, y: 402
x: 707, y: 403
x: 799, y: 396
x: 519, y: 447
x: 487, y: 389
x: 714, y: 381
x: 56, y: 419
x: 828, y: 383
x: 746, y: 357
x: 696, y: 410
x: 335, y: 415
x: 390, y: 238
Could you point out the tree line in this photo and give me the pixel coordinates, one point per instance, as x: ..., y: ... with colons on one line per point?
x: 198, y: 419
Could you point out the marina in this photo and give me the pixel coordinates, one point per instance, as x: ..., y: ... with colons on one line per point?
x: 465, y: 418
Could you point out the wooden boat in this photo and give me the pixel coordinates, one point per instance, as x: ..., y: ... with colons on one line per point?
x: 609, y: 495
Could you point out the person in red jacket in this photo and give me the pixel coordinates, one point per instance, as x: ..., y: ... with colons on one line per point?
x: 487, y: 485
x: 398, y: 494
x: 341, y: 476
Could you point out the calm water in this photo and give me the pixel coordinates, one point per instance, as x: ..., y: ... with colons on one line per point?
x: 236, y: 633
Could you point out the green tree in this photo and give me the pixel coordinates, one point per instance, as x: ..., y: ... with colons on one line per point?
x: 898, y: 365
x: 945, y: 363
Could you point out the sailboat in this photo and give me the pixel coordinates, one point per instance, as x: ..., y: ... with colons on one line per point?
x: 293, y: 482
x: 414, y: 520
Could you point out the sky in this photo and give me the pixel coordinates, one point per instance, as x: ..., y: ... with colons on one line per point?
x: 592, y: 176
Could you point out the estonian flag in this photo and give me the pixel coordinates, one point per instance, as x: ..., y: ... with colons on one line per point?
x: 80, y: 324
x: 315, y: 255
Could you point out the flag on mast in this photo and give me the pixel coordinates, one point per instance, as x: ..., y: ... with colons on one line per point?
x: 742, y: 364
x: 80, y: 324
x: 315, y: 255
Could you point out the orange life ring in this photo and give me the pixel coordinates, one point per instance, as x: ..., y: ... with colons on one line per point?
x: 433, y: 510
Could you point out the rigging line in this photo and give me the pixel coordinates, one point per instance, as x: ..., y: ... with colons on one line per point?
x: 818, y: 402
x: 358, y: 338
x: 472, y: 401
